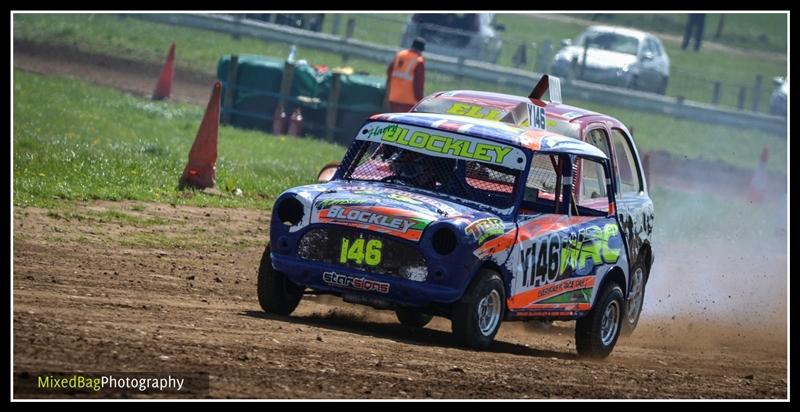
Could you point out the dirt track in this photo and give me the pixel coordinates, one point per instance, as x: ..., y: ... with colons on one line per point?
x: 121, y: 286
x: 151, y: 287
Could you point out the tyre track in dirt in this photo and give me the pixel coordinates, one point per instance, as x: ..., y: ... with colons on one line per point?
x: 172, y: 289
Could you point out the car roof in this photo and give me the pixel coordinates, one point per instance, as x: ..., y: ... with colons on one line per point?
x: 525, y: 138
x: 621, y: 30
x: 558, y: 111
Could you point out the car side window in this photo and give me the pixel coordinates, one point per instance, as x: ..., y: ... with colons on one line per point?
x: 592, y: 183
x: 542, y: 183
x: 652, y: 46
x: 599, y: 139
x: 657, y: 47
x: 627, y: 174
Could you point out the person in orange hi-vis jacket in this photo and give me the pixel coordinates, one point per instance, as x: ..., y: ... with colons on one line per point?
x: 405, y: 77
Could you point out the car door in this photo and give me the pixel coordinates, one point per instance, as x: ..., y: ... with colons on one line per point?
x: 648, y: 75
x: 634, y: 207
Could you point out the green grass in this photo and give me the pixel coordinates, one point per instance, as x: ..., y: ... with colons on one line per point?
x: 200, y: 50
x: 80, y: 142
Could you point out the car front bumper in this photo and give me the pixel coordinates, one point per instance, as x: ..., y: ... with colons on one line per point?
x: 345, y: 281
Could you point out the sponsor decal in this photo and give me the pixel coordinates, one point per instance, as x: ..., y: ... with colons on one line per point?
x: 475, y: 111
x: 326, y: 203
x: 354, y: 282
x: 484, y: 229
x: 403, y: 198
x: 348, y: 214
x: 444, y: 144
x: 558, y: 254
x: 546, y: 313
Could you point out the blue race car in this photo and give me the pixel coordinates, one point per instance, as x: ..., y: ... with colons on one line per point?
x: 475, y: 220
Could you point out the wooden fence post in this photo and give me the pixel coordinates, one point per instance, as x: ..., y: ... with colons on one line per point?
x: 717, y: 93
x: 348, y: 34
x: 742, y: 96
x: 333, y: 106
x: 757, y: 92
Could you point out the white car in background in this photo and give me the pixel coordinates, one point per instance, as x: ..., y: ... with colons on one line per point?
x: 615, y: 56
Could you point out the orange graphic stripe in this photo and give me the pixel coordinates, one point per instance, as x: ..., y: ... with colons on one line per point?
x: 497, y: 245
x: 528, y: 298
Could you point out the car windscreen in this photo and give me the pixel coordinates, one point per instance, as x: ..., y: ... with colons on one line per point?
x: 441, y: 163
x: 609, y: 41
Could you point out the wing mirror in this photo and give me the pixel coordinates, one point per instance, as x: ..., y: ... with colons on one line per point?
x: 647, y: 56
x: 500, y: 27
x: 777, y: 81
x: 566, y: 42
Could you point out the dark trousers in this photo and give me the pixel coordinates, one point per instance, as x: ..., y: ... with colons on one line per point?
x: 694, y: 28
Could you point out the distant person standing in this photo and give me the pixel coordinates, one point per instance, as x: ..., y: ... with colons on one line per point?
x: 405, y: 77
x: 694, y: 28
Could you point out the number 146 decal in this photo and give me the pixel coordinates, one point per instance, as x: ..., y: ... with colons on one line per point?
x: 359, y: 251
x: 536, y: 117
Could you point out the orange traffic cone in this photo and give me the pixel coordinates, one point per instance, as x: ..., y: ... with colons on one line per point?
x: 200, y: 171
x: 758, y: 184
x: 164, y: 86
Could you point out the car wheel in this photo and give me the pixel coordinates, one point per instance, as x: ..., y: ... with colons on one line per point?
x: 635, y: 301
x: 597, y: 333
x: 412, y: 318
x: 477, y: 316
x: 276, y: 293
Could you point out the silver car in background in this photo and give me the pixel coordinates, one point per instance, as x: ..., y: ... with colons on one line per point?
x: 465, y: 35
x: 615, y: 56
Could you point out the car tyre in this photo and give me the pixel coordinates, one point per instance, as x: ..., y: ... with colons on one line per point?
x: 597, y: 333
x: 276, y: 293
x: 635, y: 301
x: 478, y: 315
x: 412, y: 318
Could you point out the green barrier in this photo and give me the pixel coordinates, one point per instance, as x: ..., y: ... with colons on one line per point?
x: 257, y: 91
